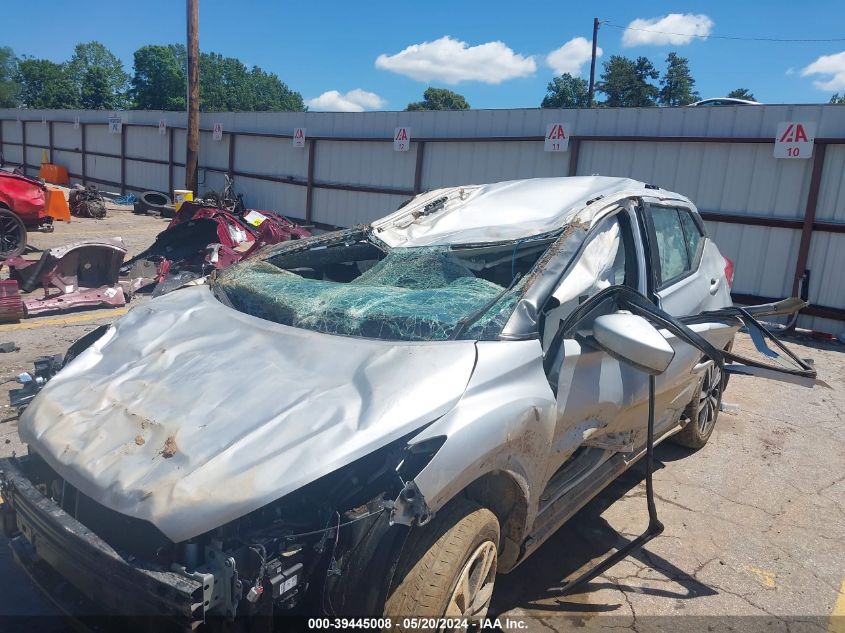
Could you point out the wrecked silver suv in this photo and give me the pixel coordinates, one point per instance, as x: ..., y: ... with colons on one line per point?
x: 340, y: 420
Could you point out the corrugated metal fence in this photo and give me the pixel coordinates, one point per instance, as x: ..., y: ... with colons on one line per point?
x: 775, y: 218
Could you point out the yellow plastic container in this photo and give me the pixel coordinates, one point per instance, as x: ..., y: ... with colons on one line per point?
x: 180, y: 196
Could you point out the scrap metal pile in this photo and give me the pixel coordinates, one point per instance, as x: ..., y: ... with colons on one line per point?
x: 87, y: 202
x: 202, y: 237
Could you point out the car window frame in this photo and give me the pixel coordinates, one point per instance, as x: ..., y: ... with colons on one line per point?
x: 628, y: 235
x: 654, y: 247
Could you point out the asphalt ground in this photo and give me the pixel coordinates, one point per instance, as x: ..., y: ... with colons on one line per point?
x: 754, y: 522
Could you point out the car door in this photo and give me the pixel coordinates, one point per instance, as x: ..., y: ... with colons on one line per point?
x: 602, y: 402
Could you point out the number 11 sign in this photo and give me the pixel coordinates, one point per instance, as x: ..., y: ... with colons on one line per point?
x: 557, y: 137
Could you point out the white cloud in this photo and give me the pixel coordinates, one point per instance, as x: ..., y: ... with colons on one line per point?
x: 452, y: 61
x: 831, y: 65
x: 572, y: 56
x: 675, y: 29
x: 353, y: 101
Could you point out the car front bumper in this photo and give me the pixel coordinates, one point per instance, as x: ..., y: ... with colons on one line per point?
x: 49, y: 543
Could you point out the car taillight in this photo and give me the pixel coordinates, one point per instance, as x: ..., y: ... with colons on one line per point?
x: 729, y: 272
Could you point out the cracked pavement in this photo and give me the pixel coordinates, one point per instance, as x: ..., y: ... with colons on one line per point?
x: 755, y: 521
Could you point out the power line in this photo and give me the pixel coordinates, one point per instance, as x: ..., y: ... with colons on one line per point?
x: 728, y: 37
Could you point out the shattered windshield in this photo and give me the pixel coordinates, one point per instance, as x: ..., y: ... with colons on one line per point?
x: 355, y: 288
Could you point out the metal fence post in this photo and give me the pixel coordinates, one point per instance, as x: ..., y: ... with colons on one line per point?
x: 23, y: 147
x: 418, y: 168
x: 82, y: 129
x: 809, y: 216
x: 123, y: 160
x: 170, y: 186
x: 309, y: 193
x: 574, y: 147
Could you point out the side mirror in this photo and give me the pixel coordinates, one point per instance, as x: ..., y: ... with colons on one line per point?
x: 630, y: 338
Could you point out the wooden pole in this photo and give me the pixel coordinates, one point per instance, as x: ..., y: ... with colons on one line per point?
x: 593, y: 64
x: 193, y: 132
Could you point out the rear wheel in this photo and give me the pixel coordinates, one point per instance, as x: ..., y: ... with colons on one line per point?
x: 12, y: 234
x: 448, y: 567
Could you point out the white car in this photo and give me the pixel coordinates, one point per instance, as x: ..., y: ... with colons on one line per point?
x: 378, y: 421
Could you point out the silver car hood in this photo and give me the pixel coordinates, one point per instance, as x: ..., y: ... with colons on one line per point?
x: 189, y: 414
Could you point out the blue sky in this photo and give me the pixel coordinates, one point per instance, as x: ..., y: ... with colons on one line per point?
x: 320, y: 47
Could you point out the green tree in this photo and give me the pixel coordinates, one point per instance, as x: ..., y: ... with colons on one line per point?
x: 160, y: 79
x: 677, y: 84
x: 93, y: 62
x: 224, y: 84
x: 439, y: 99
x: 271, y: 94
x: 741, y: 93
x: 9, y: 87
x: 96, y: 91
x: 566, y: 91
x: 45, y: 84
x: 626, y: 83
x: 836, y: 98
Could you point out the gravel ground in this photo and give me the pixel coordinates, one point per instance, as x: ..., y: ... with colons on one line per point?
x: 755, y: 521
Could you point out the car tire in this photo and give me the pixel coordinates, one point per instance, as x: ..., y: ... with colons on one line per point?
x: 703, y: 411
x: 153, y: 202
x: 12, y: 234
x: 460, y: 544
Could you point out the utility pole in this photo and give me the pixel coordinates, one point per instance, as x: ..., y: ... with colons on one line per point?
x: 593, y: 63
x: 193, y: 144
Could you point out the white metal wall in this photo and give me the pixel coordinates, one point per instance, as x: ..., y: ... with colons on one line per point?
x: 726, y: 177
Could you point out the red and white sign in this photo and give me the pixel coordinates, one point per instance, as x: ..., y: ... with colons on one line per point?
x: 115, y: 124
x: 217, y: 132
x: 299, y: 137
x: 162, y: 127
x: 795, y: 139
x: 557, y: 137
x: 401, y: 139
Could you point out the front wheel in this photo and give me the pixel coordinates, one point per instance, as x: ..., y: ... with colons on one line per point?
x: 703, y: 411
x: 448, y: 567
x: 12, y: 234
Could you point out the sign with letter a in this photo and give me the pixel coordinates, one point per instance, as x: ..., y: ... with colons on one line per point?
x: 115, y: 124
x: 557, y: 137
x: 299, y: 137
x: 217, y: 132
x: 162, y: 127
x: 795, y: 139
x: 401, y: 139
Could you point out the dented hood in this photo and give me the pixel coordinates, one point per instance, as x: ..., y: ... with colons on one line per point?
x: 189, y: 414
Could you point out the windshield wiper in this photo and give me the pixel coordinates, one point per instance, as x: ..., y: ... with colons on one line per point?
x: 462, y: 324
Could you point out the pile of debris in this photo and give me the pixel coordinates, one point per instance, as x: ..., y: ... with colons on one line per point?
x: 87, y: 202
x: 200, y: 239
x: 90, y: 273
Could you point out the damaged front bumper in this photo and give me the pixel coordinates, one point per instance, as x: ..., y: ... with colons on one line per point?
x: 47, y: 542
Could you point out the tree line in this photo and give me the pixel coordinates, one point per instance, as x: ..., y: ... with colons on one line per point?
x: 94, y: 78
x: 632, y: 83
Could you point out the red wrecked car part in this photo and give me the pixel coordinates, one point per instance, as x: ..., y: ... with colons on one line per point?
x: 85, y: 273
x: 26, y: 197
x: 23, y: 202
x: 200, y: 239
x: 11, y: 305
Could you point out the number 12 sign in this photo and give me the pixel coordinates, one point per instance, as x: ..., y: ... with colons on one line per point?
x: 795, y: 139
x: 401, y: 139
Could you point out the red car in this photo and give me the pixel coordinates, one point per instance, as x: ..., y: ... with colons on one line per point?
x: 23, y: 203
